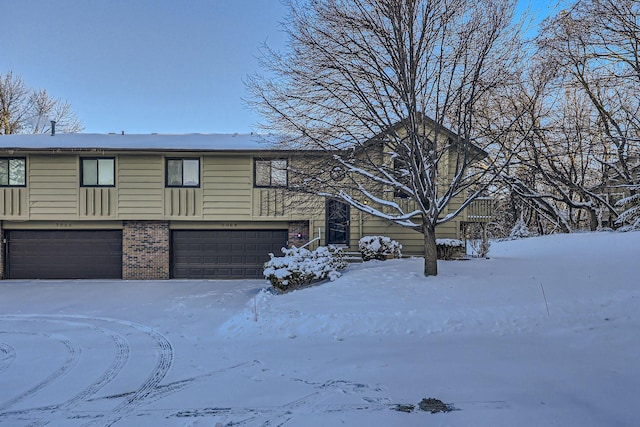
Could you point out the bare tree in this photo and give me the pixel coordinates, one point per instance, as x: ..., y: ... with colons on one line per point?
x: 595, y: 45
x: 390, y: 90
x: 578, y: 106
x: 26, y: 110
x: 556, y: 172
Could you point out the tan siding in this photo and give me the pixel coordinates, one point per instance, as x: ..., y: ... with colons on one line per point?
x: 227, y: 184
x: 270, y: 201
x: 183, y: 202
x: 454, y: 204
x: 140, y: 182
x: 303, y: 206
x: 53, y: 187
x: 13, y: 202
x: 97, y: 202
x: 227, y: 225
x: 63, y: 225
x: 412, y: 241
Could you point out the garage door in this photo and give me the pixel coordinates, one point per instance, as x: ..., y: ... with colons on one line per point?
x: 223, y: 254
x: 64, y: 254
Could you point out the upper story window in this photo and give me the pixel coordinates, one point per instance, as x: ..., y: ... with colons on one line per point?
x: 183, y: 173
x: 98, y: 172
x: 13, y: 172
x: 270, y: 172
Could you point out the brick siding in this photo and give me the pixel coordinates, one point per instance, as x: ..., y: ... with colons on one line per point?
x: 145, y: 250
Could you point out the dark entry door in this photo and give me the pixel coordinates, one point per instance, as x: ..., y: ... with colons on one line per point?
x: 337, y: 222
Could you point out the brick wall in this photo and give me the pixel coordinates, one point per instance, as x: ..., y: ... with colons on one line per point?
x: 298, y: 233
x: 145, y: 250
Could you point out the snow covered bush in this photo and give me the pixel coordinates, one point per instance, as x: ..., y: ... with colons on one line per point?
x: 300, y: 266
x: 450, y: 249
x: 480, y: 247
x: 338, y: 261
x: 520, y: 230
x: 477, y: 238
x: 379, y: 247
x: 630, y: 218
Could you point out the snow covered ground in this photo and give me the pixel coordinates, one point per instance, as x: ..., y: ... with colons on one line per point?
x: 479, y: 337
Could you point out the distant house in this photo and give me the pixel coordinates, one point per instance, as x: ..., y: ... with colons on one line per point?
x: 616, y: 188
x: 164, y: 206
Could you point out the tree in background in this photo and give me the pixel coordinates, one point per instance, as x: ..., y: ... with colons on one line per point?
x: 405, y: 76
x: 554, y: 176
x: 578, y: 104
x: 26, y: 110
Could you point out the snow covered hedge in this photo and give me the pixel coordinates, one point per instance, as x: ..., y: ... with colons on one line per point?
x: 379, y: 247
x: 450, y: 249
x: 300, y: 266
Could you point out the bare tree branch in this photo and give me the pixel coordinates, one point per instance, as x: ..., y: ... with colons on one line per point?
x: 26, y: 110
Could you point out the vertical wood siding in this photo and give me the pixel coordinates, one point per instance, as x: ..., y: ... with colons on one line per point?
x: 270, y: 202
x: 183, y: 202
x: 97, y: 202
x: 13, y: 202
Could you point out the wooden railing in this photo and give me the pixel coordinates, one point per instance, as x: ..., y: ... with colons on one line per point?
x: 480, y: 210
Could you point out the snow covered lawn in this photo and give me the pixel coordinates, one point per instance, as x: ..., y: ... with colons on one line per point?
x: 479, y: 337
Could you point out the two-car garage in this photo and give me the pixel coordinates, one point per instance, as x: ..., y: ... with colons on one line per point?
x: 98, y: 254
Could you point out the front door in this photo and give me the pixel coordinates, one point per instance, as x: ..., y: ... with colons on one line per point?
x: 337, y: 222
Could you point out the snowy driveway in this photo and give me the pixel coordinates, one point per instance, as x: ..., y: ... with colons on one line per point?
x: 94, y: 352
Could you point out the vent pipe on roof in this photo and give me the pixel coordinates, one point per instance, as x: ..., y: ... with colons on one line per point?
x: 53, y: 127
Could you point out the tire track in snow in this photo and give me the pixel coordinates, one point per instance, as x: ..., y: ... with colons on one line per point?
x: 67, y: 364
x: 134, y: 399
x: 123, y: 350
x: 122, y: 355
x: 176, y: 386
x: 159, y: 371
x: 308, y: 404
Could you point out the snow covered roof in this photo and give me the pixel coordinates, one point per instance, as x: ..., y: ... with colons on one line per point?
x: 147, y: 142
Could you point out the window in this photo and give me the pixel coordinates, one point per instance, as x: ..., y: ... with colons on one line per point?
x: 98, y: 172
x: 13, y: 172
x: 183, y: 172
x: 271, y: 173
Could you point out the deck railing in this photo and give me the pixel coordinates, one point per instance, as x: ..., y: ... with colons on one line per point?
x: 480, y: 210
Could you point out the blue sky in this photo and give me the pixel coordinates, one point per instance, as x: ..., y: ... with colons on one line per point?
x: 144, y: 66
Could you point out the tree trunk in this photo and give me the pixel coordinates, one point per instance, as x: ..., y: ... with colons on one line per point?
x: 430, y: 252
x: 593, y: 220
